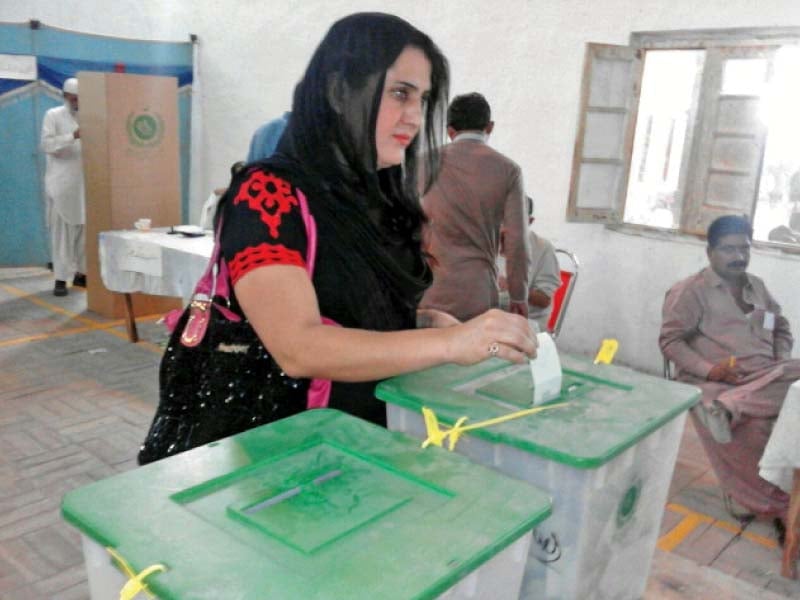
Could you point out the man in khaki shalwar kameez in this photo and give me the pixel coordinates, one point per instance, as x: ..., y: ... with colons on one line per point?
x: 478, y: 191
x: 725, y: 333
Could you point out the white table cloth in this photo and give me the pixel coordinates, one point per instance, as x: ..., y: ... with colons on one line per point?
x: 153, y: 262
x: 782, y: 453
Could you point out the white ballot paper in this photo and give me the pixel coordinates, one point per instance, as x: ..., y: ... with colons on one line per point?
x: 546, y: 370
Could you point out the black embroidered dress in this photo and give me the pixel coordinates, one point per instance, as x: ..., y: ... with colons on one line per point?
x: 263, y: 226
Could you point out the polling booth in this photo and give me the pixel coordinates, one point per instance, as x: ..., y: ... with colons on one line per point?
x: 320, y: 505
x: 35, y: 60
x: 129, y: 131
x: 604, y: 449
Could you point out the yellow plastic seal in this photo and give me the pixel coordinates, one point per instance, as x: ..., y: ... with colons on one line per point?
x: 135, y: 583
x: 608, y: 348
x: 437, y: 435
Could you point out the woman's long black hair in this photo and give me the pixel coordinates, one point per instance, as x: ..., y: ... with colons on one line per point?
x: 330, y: 140
x: 336, y: 104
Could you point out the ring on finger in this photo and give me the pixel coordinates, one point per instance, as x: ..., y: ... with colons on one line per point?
x: 494, y: 348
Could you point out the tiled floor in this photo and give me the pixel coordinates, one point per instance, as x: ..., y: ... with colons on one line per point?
x: 76, y: 398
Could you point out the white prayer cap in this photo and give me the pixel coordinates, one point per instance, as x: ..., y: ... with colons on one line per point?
x: 71, y: 86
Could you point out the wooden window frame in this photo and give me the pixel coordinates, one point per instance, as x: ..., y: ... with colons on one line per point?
x: 612, y: 211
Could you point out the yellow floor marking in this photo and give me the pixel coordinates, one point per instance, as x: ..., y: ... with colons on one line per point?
x: 677, y: 534
x: 60, y: 333
x: 753, y: 537
x: 92, y: 325
x: 692, y: 519
x: 48, y: 305
x: 760, y: 539
x: 732, y: 527
x: 678, y: 508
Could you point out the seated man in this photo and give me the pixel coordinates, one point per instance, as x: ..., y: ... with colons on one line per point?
x: 725, y: 333
x: 544, y: 273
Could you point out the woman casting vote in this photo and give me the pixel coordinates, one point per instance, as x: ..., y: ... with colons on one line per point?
x: 371, y: 100
x: 370, y: 103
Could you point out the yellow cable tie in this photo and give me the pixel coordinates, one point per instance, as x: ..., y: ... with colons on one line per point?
x: 608, y: 348
x: 455, y: 433
x: 135, y: 583
x: 437, y: 435
x: 131, y: 589
x: 121, y: 562
x: 515, y: 415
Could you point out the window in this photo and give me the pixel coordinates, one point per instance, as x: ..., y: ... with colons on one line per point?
x: 682, y: 127
x: 667, y: 107
x: 17, y: 66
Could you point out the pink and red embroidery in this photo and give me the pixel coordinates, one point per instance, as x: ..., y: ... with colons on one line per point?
x: 268, y: 195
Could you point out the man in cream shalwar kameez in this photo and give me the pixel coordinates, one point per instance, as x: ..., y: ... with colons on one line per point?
x: 66, y: 211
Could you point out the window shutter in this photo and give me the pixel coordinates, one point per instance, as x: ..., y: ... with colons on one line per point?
x: 600, y: 164
x: 729, y: 148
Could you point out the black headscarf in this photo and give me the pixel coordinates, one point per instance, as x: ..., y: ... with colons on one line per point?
x: 329, y: 151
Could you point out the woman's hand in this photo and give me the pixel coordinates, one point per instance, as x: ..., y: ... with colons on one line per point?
x: 494, y: 333
x: 288, y: 322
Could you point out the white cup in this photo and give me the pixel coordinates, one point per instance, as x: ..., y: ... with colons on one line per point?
x: 143, y: 224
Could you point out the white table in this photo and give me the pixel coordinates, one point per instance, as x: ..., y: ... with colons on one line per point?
x: 780, y: 465
x: 152, y: 262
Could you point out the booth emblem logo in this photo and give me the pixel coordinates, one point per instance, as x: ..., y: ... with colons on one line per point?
x: 145, y: 129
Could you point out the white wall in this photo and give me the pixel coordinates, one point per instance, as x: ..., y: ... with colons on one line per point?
x: 526, y: 56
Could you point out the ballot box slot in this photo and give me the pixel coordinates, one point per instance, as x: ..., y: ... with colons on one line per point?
x: 290, y: 493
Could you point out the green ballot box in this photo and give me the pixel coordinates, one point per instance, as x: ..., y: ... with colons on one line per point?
x: 606, y: 458
x: 317, y: 506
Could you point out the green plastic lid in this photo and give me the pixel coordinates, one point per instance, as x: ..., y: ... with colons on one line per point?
x: 610, y: 408
x: 320, y: 505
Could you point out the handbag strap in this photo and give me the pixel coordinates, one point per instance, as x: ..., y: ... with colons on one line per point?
x: 311, y: 233
x: 209, y: 283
